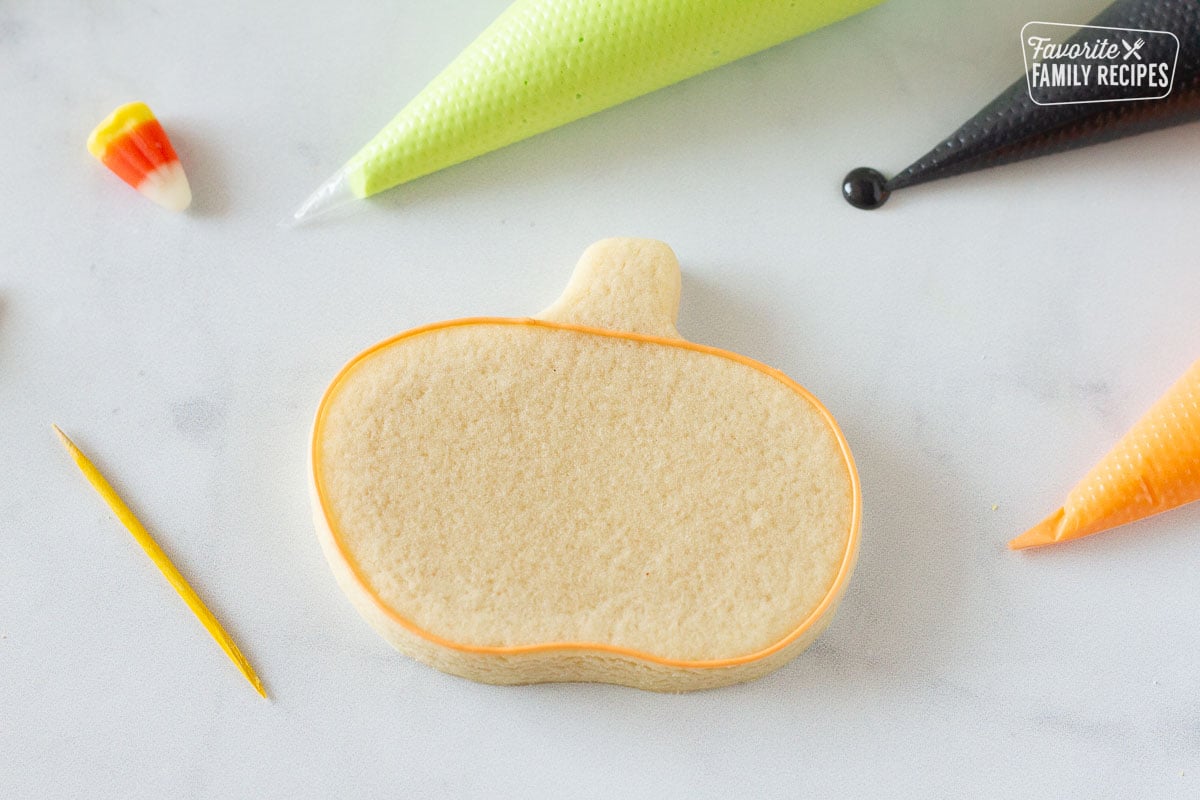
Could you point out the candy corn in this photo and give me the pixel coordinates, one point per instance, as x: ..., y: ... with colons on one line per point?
x: 544, y: 63
x: 133, y: 144
x: 1154, y: 468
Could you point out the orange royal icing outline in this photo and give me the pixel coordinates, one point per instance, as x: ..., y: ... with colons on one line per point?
x: 839, y: 579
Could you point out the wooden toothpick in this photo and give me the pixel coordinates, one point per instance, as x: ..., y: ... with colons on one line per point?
x: 173, y: 576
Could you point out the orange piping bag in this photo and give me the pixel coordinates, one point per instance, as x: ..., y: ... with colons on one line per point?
x: 1155, y: 467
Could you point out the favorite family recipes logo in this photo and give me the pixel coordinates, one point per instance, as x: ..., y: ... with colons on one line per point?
x: 1089, y: 64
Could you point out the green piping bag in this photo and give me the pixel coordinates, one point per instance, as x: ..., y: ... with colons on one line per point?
x: 544, y: 63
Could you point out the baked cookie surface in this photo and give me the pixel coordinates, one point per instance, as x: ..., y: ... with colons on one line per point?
x: 584, y: 496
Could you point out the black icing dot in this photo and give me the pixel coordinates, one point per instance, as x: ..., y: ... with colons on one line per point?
x: 865, y: 188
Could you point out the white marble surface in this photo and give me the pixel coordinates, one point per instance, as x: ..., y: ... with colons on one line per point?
x: 982, y: 341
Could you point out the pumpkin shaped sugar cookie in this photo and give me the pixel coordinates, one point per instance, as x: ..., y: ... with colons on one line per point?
x: 584, y: 496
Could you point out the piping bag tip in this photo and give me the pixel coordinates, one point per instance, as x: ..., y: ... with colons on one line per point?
x: 1045, y: 532
x: 331, y: 195
x: 865, y: 188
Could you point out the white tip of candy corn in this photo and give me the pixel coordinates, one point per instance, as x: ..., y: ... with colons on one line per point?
x: 332, y: 194
x: 168, y: 186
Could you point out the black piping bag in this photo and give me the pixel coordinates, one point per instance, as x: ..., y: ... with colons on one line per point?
x: 1013, y: 127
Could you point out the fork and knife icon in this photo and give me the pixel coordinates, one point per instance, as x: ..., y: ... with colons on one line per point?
x: 1132, y: 49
